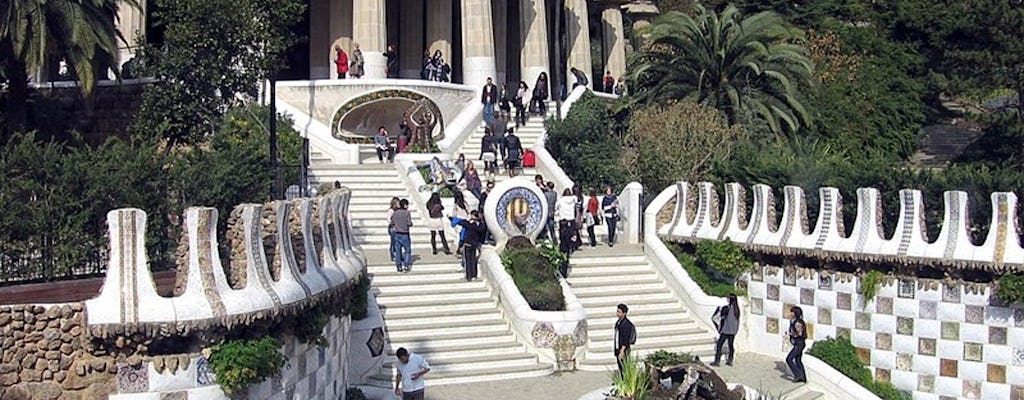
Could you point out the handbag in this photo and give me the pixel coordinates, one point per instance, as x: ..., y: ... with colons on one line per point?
x: 588, y: 219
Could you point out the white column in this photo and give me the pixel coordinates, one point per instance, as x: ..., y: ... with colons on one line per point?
x: 369, y: 26
x: 439, y: 28
x: 533, y: 24
x: 477, y: 42
x: 410, y: 38
x: 631, y: 209
x: 579, y: 42
x: 614, y: 41
x: 339, y: 31
x: 131, y: 23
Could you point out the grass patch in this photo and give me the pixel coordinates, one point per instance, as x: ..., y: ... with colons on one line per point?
x: 534, y: 270
x: 711, y: 281
x: 841, y: 355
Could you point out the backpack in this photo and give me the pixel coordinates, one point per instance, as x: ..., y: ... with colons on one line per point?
x: 719, y: 317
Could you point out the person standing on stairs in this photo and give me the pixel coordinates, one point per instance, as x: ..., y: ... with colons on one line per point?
x: 520, y: 103
x: 487, y: 152
x: 488, y: 97
x: 624, y: 336
x: 515, y: 152
x: 356, y: 62
x: 435, y: 211
x: 391, y: 227
x: 475, y: 232
x: 591, y: 217
x: 538, y: 102
x: 610, y: 207
x: 461, y: 211
x: 472, y: 178
x: 341, y: 62
x: 798, y: 338
x: 551, y: 197
x: 402, y: 221
x: 565, y: 214
x: 383, y: 145
x: 727, y: 320
x: 409, y: 373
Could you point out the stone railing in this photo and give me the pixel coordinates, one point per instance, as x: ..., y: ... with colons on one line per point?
x: 558, y: 337
x: 286, y: 259
x: 697, y: 216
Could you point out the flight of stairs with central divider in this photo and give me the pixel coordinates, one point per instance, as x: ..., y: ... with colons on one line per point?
x: 455, y: 325
x: 603, y: 277
x: 529, y: 134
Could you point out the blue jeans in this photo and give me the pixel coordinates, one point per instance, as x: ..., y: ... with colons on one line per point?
x: 795, y: 360
x: 549, y: 230
x: 403, y: 250
x: 488, y: 113
x: 391, y: 248
x: 611, y: 229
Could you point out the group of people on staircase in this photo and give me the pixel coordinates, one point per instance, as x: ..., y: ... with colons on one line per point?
x: 572, y: 212
x: 524, y: 100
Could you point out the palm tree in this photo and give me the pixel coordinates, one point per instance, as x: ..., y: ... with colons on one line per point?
x: 748, y: 68
x: 81, y: 32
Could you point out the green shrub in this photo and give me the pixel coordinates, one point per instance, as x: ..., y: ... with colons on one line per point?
x: 536, y: 277
x: 357, y: 307
x: 662, y: 358
x: 723, y: 256
x: 869, y: 284
x: 309, y: 327
x: 240, y: 363
x: 714, y: 284
x: 842, y: 355
x: 584, y: 146
x: 1010, y: 288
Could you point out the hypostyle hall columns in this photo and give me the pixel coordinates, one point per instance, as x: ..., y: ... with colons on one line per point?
x: 534, y: 28
x: 369, y: 24
x: 578, y: 32
x: 131, y: 23
x: 410, y: 39
x: 477, y: 42
x: 439, y: 28
x: 614, y: 41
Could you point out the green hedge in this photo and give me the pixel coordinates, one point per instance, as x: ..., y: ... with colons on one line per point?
x: 841, y: 355
x: 536, y: 276
x: 711, y: 281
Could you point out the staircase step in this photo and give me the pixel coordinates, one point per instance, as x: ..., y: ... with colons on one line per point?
x: 613, y: 280
x: 421, y: 289
x: 623, y: 289
x: 440, y: 299
x: 611, y: 301
x: 651, y: 333
x: 444, y: 332
x: 606, y: 270
x: 437, y: 310
x: 463, y: 363
x: 606, y: 323
x: 415, y: 277
x: 469, y: 320
x: 443, y: 377
x: 584, y: 259
x: 463, y: 346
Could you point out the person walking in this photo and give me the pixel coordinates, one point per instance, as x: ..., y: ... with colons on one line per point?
x: 427, y: 73
x: 461, y: 211
x: 475, y: 234
x: 391, y: 70
x: 610, y: 207
x: 551, y: 197
x: 341, y: 62
x: 409, y: 371
x: 520, y: 103
x: 591, y: 218
x: 391, y: 227
x: 565, y: 214
x: 402, y: 221
x: 505, y: 99
x: 608, y: 82
x: 487, y: 151
x: 538, y: 102
x: 727, y: 320
x: 435, y: 210
x: 383, y: 145
x: 798, y: 338
x: 624, y: 336
x: 472, y: 178
x: 514, y: 147
x: 356, y: 70
x: 577, y: 194
x: 489, y: 96
x: 403, y: 137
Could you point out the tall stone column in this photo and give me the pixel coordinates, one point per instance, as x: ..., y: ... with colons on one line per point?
x: 410, y: 38
x: 499, y: 15
x: 369, y: 26
x: 578, y: 32
x: 131, y: 23
x: 439, y: 28
x: 534, y: 27
x: 614, y: 41
x: 339, y: 31
x: 477, y: 42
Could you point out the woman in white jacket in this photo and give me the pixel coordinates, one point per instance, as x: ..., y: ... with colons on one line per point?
x: 565, y: 216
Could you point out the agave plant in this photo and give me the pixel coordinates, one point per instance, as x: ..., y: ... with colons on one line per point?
x: 633, y: 382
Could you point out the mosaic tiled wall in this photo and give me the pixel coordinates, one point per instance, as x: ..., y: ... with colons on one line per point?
x: 935, y: 340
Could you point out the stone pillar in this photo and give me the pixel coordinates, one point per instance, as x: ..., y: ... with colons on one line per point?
x: 439, y: 28
x: 499, y: 15
x: 339, y: 32
x: 477, y: 42
x: 131, y: 23
x: 631, y: 208
x: 534, y: 27
x: 410, y: 39
x: 614, y: 41
x: 579, y: 42
x: 369, y: 26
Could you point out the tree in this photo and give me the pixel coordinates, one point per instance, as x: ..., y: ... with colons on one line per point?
x: 750, y: 68
x: 677, y: 141
x: 214, y: 52
x: 33, y: 31
x: 584, y: 146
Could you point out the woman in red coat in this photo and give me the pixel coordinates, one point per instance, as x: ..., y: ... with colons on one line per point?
x: 341, y: 62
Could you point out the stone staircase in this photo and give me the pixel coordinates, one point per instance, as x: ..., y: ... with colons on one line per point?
x: 528, y: 134
x: 454, y: 324
x: 602, y: 277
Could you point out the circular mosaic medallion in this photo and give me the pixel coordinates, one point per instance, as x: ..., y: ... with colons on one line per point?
x: 516, y: 207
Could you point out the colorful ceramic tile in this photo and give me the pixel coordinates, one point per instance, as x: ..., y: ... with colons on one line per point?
x: 951, y: 293
x: 862, y: 321
x: 773, y: 292
x: 376, y: 342
x: 883, y: 375
x: 825, y: 316
x: 996, y: 373
x: 974, y: 314
x: 864, y: 355
x: 772, y: 325
x: 824, y: 282
x: 843, y: 301
x: 789, y: 277
x: 906, y: 289
x: 204, y: 373
x: 843, y: 333
x: 973, y: 351
x: 950, y: 330
x: 1018, y: 357
x: 926, y: 347
x: 133, y: 377
x: 883, y: 341
x: 905, y: 326
x: 996, y: 335
x: 972, y: 390
x: 757, y: 274
x: 904, y: 361
x: 925, y: 383
x: 757, y: 306
x: 807, y: 297
x: 927, y: 309
x: 1016, y: 392
x: 883, y: 305
x: 948, y: 368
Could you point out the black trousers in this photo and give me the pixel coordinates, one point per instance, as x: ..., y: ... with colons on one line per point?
x: 795, y: 360
x: 723, y: 339
x: 470, y: 257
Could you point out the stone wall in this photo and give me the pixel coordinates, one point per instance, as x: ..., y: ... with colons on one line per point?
x: 60, y: 108
x: 129, y: 342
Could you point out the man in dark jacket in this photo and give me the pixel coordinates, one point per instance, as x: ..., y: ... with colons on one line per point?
x: 625, y: 335
x: 489, y: 96
x: 476, y: 232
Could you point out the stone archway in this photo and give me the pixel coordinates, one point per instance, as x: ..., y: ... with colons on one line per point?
x: 357, y: 120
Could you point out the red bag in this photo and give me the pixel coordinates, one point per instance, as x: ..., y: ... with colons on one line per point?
x: 529, y: 159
